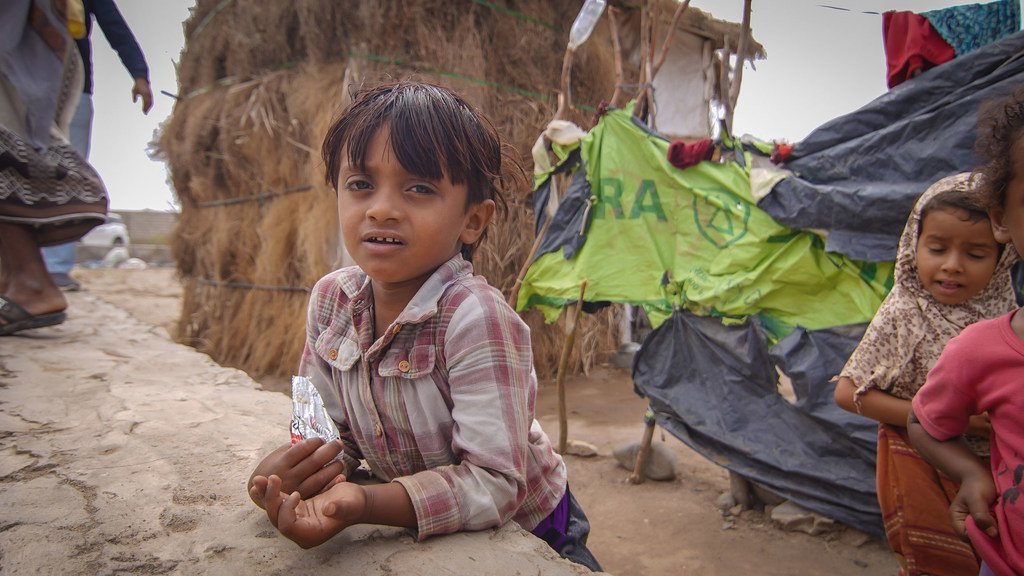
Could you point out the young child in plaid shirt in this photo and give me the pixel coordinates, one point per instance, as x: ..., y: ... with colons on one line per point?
x: 424, y: 368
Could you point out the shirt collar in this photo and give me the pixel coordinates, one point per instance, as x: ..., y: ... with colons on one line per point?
x: 425, y: 303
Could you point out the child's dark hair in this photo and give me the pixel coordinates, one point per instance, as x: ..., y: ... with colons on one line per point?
x: 969, y: 201
x: 1000, y: 126
x: 434, y: 133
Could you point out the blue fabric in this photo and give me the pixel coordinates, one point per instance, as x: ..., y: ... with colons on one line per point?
x: 118, y: 34
x: 971, y: 26
x: 60, y: 258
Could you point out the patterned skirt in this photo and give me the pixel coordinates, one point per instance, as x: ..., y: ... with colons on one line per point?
x: 915, y: 498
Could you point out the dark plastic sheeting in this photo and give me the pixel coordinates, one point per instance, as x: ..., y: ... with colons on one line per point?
x: 714, y: 387
x: 858, y: 175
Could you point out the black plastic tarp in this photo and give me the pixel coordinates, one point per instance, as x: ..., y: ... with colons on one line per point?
x: 857, y: 176
x: 715, y: 387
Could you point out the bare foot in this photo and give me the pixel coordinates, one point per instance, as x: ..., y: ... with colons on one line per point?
x: 35, y: 297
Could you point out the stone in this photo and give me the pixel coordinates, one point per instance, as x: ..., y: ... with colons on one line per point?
x: 795, y: 518
x: 725, y: 501
x: 661, y: 461
x: 580, y: 448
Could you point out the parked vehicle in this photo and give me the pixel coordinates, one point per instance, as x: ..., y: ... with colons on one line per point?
x: 111, y: 233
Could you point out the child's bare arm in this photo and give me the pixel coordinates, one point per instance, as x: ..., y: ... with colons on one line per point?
x: 875, y: 404
x: 312, y: 521
x: 302, y: 467
x: 954, y: 459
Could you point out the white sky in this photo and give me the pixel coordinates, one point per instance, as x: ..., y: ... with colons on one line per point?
x: 821, y: 63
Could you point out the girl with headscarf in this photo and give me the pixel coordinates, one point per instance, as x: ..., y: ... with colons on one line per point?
x: 950, y: 272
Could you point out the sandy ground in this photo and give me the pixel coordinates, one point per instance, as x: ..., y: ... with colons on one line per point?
x: 654, y: 528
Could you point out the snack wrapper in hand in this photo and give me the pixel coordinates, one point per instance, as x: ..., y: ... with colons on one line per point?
x: 309, y: 417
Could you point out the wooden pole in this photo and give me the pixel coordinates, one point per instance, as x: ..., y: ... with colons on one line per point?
x: 651, y: 110
x: 563, y: 365
x: 640, y: 109
x: 668, y: 37
x: 638, y: 476
x: 741, y: 54
x: 513, y: 296
x: 617, y: 95
x: 565, y: 96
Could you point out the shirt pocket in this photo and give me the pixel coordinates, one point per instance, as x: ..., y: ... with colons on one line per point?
x: 408, y: 363
x: 340, y: 352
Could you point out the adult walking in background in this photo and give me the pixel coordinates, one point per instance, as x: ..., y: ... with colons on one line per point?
x: 61, y: 258
x: 48, y: 193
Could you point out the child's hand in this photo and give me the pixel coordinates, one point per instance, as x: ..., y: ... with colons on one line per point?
x: 313, y: 521
x: 301, y: 467
x: 975, y: 498
x: 979, y: 426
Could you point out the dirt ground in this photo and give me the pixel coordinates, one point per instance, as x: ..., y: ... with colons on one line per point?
x: 653, y: 528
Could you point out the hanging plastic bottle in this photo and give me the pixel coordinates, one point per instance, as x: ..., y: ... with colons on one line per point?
x: 585, y: 21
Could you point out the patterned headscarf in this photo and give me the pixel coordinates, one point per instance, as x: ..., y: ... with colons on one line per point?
x: 911, y: 328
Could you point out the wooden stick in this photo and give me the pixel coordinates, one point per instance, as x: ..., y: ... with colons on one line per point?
x: 563, y: 365
x: 640, y: 109
x: 617, y: 95
x: 513, y: 297
x: 638, y: 476
x: 565, y: 96
x: 741, y: 54
x: 668, y: 37
x: 650, y: 109
x: 723, y: 83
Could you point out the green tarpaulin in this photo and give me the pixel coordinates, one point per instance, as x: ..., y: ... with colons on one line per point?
x: 662, y: 237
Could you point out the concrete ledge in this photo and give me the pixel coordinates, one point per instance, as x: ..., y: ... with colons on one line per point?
x: 124, y: 452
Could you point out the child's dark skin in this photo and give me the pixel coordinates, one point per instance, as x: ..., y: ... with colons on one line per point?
x: 301, y: 467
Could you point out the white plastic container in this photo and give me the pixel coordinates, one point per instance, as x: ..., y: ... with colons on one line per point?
x: 585, y: 21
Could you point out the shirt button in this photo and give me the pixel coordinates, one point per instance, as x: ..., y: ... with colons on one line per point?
x: 333, y: 354
x: 378, y: 430
x: 404, y: 366
x: 396, y: 329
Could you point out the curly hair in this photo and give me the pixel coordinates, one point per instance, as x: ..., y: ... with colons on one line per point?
x: 1000, y: 126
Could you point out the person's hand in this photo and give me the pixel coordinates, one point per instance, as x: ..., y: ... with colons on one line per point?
x: 979, y: 425
x: 313, y: 521
x: 304, y: 467
x: 141, y: 88
x: 975, y: 498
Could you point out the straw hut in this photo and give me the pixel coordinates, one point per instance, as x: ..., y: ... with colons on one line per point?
x: 260, y: 81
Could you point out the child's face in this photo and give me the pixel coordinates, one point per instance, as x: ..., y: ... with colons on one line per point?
x: 399, y: 228
x: 955, y: 256
x: 1008, y: 219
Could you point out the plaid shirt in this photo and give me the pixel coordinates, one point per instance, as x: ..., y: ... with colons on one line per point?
x: 443, y: 402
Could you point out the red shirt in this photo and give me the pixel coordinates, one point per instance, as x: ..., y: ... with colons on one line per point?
x: 982, y: 370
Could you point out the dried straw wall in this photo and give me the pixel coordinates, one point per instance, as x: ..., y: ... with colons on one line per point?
x: 260, y: 81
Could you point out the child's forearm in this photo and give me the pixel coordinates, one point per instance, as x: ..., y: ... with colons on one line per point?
x: 874, y: 404
x: 389, y: 504
x: 952, y: 457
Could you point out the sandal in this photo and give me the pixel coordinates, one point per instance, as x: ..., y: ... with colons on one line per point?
x: 17, y: 318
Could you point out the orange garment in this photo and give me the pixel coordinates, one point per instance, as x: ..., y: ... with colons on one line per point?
x: 915, y: 499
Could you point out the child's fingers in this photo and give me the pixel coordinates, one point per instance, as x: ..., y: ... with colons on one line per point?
x: 273, y: 498
x: 258, y: 489
x: 986, y: 523
x: 286, y: 514
x: 321, y: 480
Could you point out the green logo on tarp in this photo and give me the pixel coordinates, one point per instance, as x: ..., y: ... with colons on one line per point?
x: 721, y: 217
x: 608, y: 197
